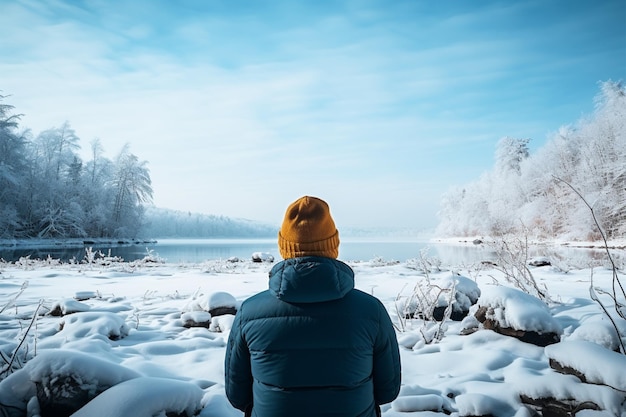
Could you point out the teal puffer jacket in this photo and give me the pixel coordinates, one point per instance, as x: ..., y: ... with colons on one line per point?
x: 312, y: 345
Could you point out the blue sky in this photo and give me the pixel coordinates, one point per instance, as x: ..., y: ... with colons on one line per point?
x: 240, y: 107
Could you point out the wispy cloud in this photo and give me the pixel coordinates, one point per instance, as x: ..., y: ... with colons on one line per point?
x: 383, y: 102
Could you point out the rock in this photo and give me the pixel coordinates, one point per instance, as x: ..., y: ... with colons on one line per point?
x: 600, y: 332
x: 551, y: 407
x: 262, y: 257
x: 514, y: 313
x: 221, y: 303
x: 196, y: 319
x: 607, y: 368
x: 481, y: 405
x: 528, y: 336
x: 563, y: 369
x: 455, y: 315
x: 466, y: 294
x: 220, y: 311
x: 81, y: 325
x: 62, y: 396
x: 436, y: 295
x: 69, y: 306
x: 469, y: 325
x: 540, y: 261
x: 146, y: 396
x: 63, y: 381
x: 418, y: 403
x: 85, y: 295
x: 222, y: 323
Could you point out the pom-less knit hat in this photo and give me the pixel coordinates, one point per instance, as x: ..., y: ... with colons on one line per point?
x: 308, y: 230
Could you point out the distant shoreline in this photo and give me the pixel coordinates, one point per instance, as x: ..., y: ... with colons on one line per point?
x: 619, y: 244
x: 482, y: 240
x: 71, y: 242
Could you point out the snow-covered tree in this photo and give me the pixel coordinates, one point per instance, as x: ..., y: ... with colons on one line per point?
x: 132, y: 186
x: 46, y: 190
x: 510, y: 153
x: 13, y: 169
x: 523, y: 192
x: 602, y: 177
x: 57, y: 148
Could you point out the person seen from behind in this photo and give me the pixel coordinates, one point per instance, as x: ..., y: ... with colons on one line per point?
x: 312, y: 344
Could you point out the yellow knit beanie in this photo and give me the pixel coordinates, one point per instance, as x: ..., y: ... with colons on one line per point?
x: 308, y: 230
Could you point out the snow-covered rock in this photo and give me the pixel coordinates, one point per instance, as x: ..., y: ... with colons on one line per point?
x: 61, y: 380
x: 539, y: 261
x: 466, y: 294
x: 473, y: 404
x: 512, y: 312
x: 220, y: 303
x: 572, y: 357
x: 196, y: 319
x: 262, y: 257
x: 412, y: 403
x: 600, y: 332
x: 68, y: 306
x: 145, y: 397
x: 222, y: 323
x: 85, y: 295
x: 91, y: 324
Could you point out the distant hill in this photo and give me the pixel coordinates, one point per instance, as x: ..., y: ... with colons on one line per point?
x: 165, y: 223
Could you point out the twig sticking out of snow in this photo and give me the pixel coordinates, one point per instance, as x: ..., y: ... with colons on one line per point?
x: 620, y: 306
x: 9, y: 364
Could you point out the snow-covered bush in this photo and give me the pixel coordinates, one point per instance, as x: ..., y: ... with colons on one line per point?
x: 431, y: 304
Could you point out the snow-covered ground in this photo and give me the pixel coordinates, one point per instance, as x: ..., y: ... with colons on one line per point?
x: 116, y: 334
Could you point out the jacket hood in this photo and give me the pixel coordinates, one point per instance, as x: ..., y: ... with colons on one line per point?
x: 310, y: 279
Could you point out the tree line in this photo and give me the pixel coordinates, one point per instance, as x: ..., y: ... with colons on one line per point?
x: 540, y: 194
x: 48, y: 191
x: 164, y: 223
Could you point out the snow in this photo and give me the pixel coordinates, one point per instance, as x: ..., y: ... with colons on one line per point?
x: 127, y: 346
x: 599, y: 331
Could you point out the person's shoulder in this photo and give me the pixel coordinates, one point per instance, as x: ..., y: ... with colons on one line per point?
x: 255, y: 300
x: 365, y: 298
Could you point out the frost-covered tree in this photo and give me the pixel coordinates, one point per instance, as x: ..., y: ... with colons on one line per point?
x: 57, y: 147
x: 46, y: 190
x: 523, y: 193
x: 12, y: 169
x: 132, y: 186
x: 546, y: 206
x: 602, y: 173
x: 510, y: 153
x: 57, y: 199
x: 97, y: 193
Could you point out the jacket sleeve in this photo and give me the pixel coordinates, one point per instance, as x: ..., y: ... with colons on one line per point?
x: 238, y: 374
x: 386, y: 369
